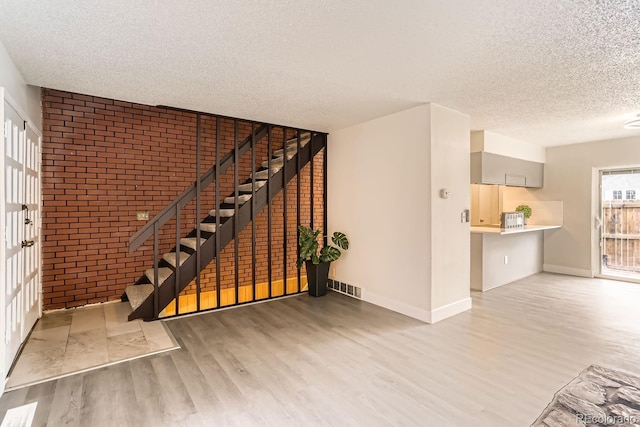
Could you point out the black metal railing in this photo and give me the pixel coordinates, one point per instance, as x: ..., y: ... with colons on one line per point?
x: 226, y: 231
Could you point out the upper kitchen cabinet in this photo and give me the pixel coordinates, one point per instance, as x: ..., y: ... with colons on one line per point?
x: 489, y: 168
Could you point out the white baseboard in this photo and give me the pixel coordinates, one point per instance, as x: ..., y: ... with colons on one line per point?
x: 569, y: 271
x: 427, y: 316
x: 397, y: 306
x: 450, y: 310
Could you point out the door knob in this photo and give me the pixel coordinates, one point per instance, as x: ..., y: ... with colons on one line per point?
x: 27, y: 243
x: 27, y: 221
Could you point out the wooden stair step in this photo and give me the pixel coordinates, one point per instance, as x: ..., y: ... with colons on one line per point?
x: 171, y: 258
x: 292, y: 145
x: 247, y: 187
x: 291, y: 151
x: 137, y: 294
x: 190, y: 242
x: 224, y: 213
x: 163, y: 275
x: 209, y: 227
x: 242, y: 198
x: 305, y: 137
x: 264, y: 174
x: 279, y: 162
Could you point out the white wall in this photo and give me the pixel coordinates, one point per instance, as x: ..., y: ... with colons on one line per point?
x: 27, y: 97
x: 383, y: 186
x: 378, y: 194
x: 450, y: 244
x: 498, y: 144
x: 571, y: 176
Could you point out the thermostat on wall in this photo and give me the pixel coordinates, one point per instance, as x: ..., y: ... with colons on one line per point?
x: 445, y: 194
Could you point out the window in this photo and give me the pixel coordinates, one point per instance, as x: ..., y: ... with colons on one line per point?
x: 617, y: 194
x: 631, y: 194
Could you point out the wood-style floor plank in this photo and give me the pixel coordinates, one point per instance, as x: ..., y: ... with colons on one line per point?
x: 336, y: 361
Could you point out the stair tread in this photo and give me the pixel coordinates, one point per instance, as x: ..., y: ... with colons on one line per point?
x: 209, y: 227
x: 171, y: 258
x: 224, y: 213
x: 264, y: 174
x: 242, y: 198
x: 304, y: 138
x: 279, y: 162
x: 163, y: 274
x: 190, y: 242
x: 292, y: 145
x: 290, y: 155
x: 137, y: 294
x: 247, y: 187
x: 291, y: 150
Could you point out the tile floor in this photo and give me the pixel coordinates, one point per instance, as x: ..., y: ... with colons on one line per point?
x: 69, y: 341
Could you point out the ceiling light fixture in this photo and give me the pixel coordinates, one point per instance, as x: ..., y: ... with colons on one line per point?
x: 633, y: 123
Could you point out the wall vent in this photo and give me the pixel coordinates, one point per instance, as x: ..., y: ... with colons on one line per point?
x: 345, y: 288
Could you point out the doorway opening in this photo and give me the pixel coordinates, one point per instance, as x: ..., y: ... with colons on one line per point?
x: 620, y: 223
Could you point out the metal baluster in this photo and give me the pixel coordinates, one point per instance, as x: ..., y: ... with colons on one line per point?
x: 284, y: 202
x: 156, y: 302
x: 298, y: 207
x: 324, y: 196
x: 253, y: 211
x: 269, y: 273
x: 178, y: 253
x: 236, y: 161
x: 217, y: 205
x: 198, y: 231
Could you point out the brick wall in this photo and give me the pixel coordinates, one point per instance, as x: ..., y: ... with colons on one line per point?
x: 104, y: 160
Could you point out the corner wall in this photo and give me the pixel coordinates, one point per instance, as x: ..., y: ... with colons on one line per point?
x: 571, y: 175
x: 450, y: 244
x: 378, y: 188
x: 409, y: 250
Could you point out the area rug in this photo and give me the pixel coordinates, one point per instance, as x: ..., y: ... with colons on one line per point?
x: 599, y: 396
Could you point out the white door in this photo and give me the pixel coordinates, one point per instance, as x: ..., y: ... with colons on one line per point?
x: 21, y: 215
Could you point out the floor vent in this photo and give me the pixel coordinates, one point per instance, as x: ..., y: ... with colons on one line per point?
x: 345, y: 288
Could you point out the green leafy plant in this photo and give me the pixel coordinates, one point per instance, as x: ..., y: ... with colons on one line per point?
x: 308, y: 243
x: 524, y: 209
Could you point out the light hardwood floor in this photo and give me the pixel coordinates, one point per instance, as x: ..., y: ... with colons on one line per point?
x: 337, y: 361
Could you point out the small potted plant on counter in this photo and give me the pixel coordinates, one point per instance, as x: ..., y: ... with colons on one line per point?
x: 318, y: 263
x: 526, y: 210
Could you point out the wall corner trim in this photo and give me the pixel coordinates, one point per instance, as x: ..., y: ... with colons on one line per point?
x: 450, y: 310
x: 423, y: 315
x: 397, y: 306
x: 569, y: 271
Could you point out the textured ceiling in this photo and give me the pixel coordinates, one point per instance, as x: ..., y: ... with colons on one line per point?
x: 545, y: 71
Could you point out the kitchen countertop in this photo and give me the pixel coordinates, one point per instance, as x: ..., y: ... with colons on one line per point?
x: 525, y: 229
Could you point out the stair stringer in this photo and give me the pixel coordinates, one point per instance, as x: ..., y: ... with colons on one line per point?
x: 166, y: 291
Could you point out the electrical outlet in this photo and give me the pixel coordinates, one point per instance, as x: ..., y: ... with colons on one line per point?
x: 506, y: 259
x: 142, y: 216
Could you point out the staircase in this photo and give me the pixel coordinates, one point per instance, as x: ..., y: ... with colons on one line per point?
x: 173, y: 272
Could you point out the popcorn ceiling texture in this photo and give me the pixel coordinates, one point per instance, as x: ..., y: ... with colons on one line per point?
x: 548, y: 72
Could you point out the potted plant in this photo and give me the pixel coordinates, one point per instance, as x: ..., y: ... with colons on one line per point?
x: 317, y: 263
x: 526, y: 210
